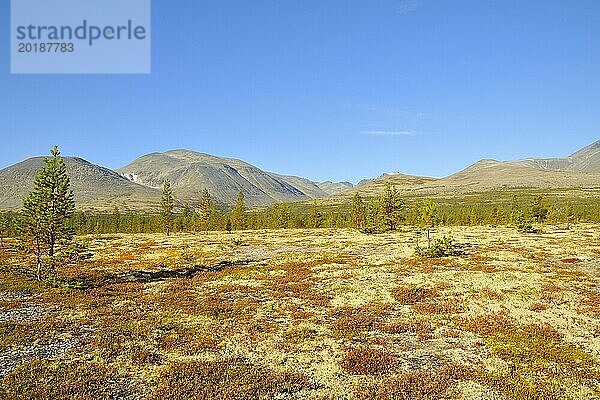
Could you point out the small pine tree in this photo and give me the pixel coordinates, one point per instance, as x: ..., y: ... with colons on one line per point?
x: 524, y: 223
x: 473, y: 217
x: 390, y: 208
x: 283, y: 216
x: 205, y: 209
x: 167, y: 204
x: 43, y: 229
x: 116, y: 220
x: 315, y: 218
x: 358, y: 211
x: 537, y: 209
x: 238, y: 215
x: 500, y: 218
x: 372, y: 219
x: 495, y: 217
x: 514, y: 209
x: 187, y: 214
x: 552, y: 216
x: 570, y: 214
x: 228, y: 225
x: 428, y: 218
x: 414, y: 214
x: 215, y: 220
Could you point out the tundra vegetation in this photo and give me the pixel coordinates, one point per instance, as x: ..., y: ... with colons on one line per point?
x: 383, y: 298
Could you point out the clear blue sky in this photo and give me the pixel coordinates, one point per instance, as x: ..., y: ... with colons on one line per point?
x: 338, y: 90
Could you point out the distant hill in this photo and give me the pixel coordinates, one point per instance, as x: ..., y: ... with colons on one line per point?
x: 586, y: 160
x: 374, y: 187
x: 189, y: 172
x: 491, y: 174
x: 95, y: 187
x: 334, y: 187
x: 579, y: 170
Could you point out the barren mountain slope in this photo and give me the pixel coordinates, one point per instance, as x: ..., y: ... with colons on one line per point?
x: 95, y: 187
x: 189, y: 172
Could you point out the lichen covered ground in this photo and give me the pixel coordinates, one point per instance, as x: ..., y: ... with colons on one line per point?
x: 309, y: 314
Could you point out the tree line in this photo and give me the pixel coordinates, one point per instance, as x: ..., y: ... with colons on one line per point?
x: 383, y: 213
x: 370, y: 215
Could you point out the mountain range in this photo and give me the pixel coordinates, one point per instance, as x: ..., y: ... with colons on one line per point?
x: 579, y: 170
x: 137, y: 186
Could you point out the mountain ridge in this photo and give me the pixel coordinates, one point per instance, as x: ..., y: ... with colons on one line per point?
x: 137, y: 185
x: 579, y: 170
x: 586, y: 159
x: 189, y: 172
x: 94, y: 186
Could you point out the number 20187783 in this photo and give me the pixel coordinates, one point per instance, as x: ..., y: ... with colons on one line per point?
x: 25, y: 47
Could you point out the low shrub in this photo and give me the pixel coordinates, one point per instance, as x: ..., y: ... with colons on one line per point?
x: 369, y: 361
x: 44, y: 380
x: 444, y: 247
x: 229, y: 379
x: 417, y: 385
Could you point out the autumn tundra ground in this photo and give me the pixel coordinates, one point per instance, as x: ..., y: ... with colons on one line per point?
x: 309, y: 314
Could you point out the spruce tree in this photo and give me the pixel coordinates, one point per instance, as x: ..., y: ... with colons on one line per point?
x: 167, y: 203
x: 537, y: 208
x: 238, y: 216
x: 205, y: 209
x: 187, y: 214
x: 358, y: 211
x: 43, y: 227
x: 390, y: 207
x: 315, y: 218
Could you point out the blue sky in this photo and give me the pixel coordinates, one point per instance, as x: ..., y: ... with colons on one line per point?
x: 339, y: 90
